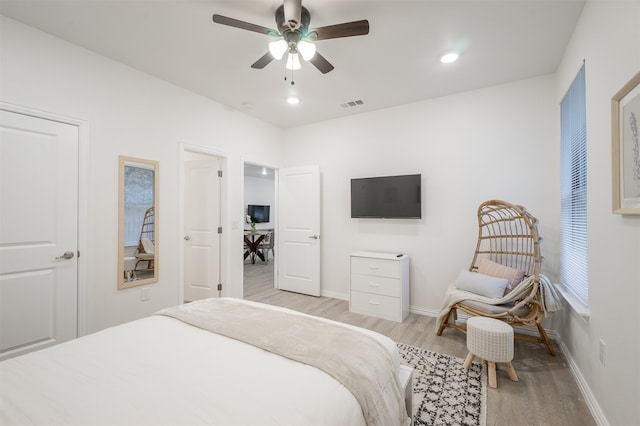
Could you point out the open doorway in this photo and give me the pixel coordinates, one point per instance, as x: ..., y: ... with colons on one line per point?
x: 260, y: 209
x: 203, y: 195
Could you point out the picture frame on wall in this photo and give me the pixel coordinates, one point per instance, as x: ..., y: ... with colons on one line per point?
x: 625, y: 148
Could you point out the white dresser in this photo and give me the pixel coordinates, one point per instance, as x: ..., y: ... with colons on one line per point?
x: 379, y: 285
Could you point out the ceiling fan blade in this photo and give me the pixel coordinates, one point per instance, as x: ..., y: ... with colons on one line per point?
x: 321, y: 63
x: 263, y: 61
x: 293, y: 13
x: 224, y: 20
x: 348, y: 29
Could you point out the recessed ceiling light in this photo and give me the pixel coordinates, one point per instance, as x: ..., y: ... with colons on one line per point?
x: 293, y: 100
x: 449, y: 57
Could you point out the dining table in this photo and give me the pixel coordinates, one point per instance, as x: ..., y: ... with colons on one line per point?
x: 252, y: 240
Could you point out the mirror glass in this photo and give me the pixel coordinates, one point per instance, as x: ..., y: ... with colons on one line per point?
x: 137, y: 222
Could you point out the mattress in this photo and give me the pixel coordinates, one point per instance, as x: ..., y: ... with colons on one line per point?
x: 161, y: 371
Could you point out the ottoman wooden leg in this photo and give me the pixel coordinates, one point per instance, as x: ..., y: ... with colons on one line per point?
x: 467, y: 361
x: 493, y: 382
x: 512, y: 372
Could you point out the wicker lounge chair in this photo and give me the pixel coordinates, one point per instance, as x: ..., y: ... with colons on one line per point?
x: 508, y: 236
x: 145, y: 252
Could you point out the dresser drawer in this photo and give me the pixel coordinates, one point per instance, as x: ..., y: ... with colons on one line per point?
x: 376, y: 305
x: 378, y: 285
x: 377, y: 267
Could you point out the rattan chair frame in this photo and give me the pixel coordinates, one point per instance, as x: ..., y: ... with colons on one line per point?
x: 508, y: 234
x: 148, y: 230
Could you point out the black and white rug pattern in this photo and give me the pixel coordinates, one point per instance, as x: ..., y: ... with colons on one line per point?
x: 443, y: 393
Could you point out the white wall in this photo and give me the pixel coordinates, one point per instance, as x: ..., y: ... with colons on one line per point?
x: 261, y: 191
x: 608, y: 39
x: 130, y: 113
x: 499, y: 142
x: 493, y: 143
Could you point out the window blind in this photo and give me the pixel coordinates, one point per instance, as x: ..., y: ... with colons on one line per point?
x: 573, y: 182
x: 138, y: 197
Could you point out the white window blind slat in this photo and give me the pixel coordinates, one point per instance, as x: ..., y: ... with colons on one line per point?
x: 573, y: 188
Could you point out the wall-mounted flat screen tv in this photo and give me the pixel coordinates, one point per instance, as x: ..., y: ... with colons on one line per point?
x: 388, y: 197
x: 259, y: 214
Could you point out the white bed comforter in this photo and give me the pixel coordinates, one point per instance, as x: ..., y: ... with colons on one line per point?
x: 161, y: 371
x: 354, y: 359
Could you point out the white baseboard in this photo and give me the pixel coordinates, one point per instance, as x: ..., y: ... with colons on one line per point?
x: 590, y: 399
x: 423, y: 311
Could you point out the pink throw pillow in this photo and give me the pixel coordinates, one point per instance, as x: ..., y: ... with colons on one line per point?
x: 489, y: 267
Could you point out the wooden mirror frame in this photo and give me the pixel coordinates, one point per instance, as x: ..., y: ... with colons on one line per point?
x: 131, y: 257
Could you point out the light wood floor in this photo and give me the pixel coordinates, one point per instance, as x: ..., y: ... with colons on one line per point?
x: 546, y: 394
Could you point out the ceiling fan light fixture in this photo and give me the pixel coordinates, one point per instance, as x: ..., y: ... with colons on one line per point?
x: 449, y: 57
x: 306, y: 49
x: 292, y: 23
x: 293, y: 62
x: 278, y: 48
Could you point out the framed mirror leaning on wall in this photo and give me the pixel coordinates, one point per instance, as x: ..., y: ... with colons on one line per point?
x: 137, y: 222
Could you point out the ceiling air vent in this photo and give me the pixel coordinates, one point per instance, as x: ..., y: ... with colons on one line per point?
x: 352, y: 104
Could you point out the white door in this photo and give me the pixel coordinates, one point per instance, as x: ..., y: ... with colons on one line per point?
x: 299, y: 230
x: 38, y: 233
x: 201, y: 238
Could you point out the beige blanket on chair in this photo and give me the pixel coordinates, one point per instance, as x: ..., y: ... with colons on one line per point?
x: 357, y: 361
x: 550, y: 297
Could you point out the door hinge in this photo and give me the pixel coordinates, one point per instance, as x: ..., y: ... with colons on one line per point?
x: 220, y: 287
x: 78, y: 253
x: 219, y: 173
x: 219, y: 229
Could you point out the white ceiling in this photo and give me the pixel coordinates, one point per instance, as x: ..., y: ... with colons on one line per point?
x: 397, y: 63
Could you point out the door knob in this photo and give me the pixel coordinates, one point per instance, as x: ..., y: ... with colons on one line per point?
x: 66, y: 255
x: 314, y: 237
x: 187, y: 238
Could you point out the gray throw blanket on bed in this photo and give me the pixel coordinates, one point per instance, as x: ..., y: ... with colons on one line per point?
x: 356, y: 360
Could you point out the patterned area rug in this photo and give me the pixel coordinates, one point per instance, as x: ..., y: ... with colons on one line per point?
x: 443, y: 393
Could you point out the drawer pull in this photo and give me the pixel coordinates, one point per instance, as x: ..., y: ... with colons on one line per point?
x: 374, y: 303
x: 374, y: 285
x: 374, y: 267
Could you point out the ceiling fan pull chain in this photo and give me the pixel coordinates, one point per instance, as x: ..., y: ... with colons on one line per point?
x: 285, y: 77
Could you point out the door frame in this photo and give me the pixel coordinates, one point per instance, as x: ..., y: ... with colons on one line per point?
x: 224, y: 240
x: 83, y: 191
x: 276, y: 177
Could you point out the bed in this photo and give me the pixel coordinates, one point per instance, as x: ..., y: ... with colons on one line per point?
x: 172, y: 369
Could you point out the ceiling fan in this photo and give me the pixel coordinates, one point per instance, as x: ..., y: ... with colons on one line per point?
x: 294, y: 36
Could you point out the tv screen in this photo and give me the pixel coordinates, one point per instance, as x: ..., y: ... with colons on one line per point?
x: 259, y: 214
x: 388, y: 197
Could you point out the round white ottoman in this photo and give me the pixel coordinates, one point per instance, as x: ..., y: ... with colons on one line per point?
x: 492, y: 341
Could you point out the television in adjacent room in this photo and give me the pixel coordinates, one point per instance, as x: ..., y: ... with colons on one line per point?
x: 387, y: 197
x: 259, y: 214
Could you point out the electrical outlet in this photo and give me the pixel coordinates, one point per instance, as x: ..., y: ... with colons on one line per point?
x: 144, y: 294
x: 602, y: 352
